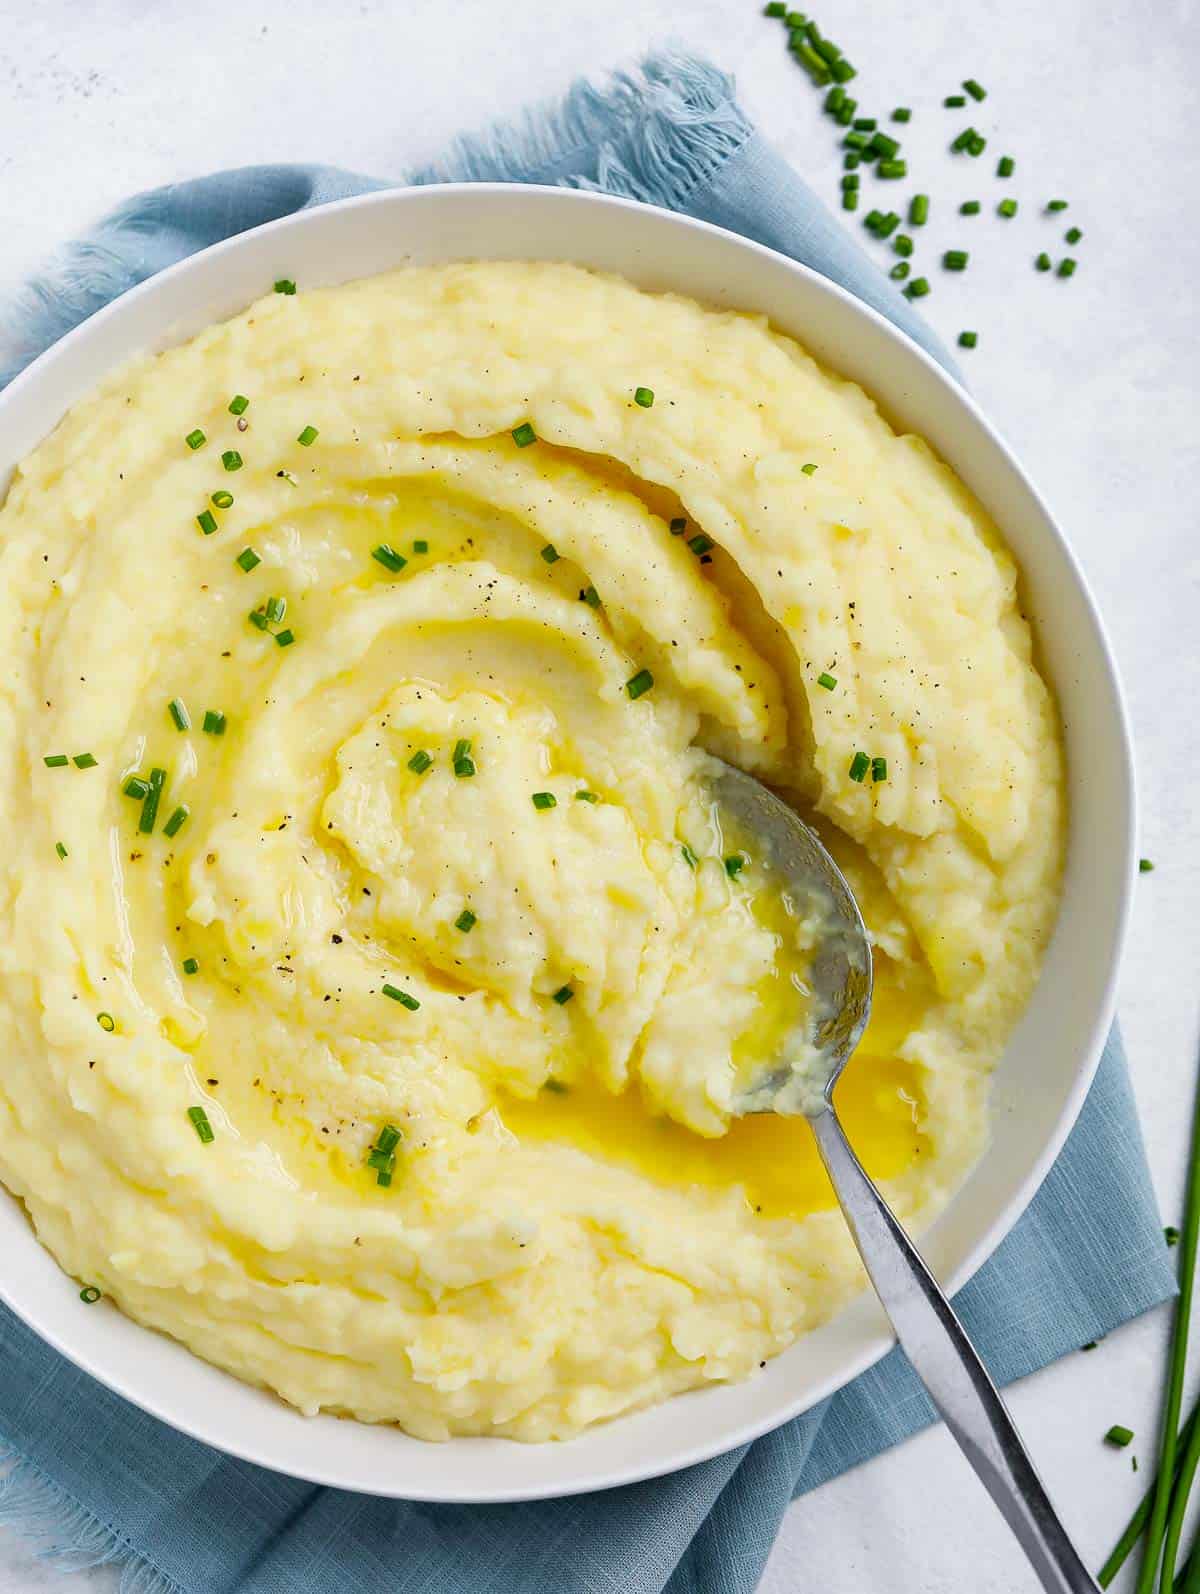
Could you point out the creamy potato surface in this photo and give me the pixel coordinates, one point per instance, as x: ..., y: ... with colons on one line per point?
x: 375, y: 976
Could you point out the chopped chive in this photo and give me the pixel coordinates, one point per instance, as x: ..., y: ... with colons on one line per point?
x: 809, y: 469
x: 954, y: 102
x: 974, y: 89
x: 902, y: 113
x: 856, y: 141
x: 955, y: 259
x: 387, y: 1139
x: 1066, y: 267
x: 917, y: 288
x: 544, y: 799
x: 285, y: 285
x: 844, y: 116
x: 701, y: 544
x: 383, y: 1161
x: 258, y: 618
x: 1043, y: 262
x: 969, y: 207
x: 835, y: 99
x: 774, y: 8
x: 885, y: 145
x: 207, y: 522
x: 239, y: 404
x: 464, y: 767
x: 83, y: 760
x: 735, y: 863
x: 201, y: 1125
x: 387, y: 556
x: 523, y: 435
x: 420, y: 762
x: 1118, y: 1436
x: 968, y: 340
x: 1171, y: 1235
x: 899, y: 271
x: 420, y: 546
x: 827, y: 50
x: 191, y: 965
x: 55, y: 760
x: 850, y: 199
x: 679, y: 526
x: 865, y: 124
x: 977, y: 144
x: 89, y: 1295
x: 307, y: 437
x: 462, y: 748
x: 550, y: 554
x: 859, y: 765
x: 178, y: 712
x: 213, y: 723
x: 892, y: 169
x: 918, y: 210
x: 902, y: 244
x: 963, y: 140
x: 689, y: 857
x: 638, y: 685
x: 812, y: 63
x: 231, y: 459
x: 285, y: 638
x: 1073, y: 235
x: 106, y: 1022
x: 1005, y: 166
x: 878, y: 769
x: 384, y: 1177
x: 405, y: 1000
x: 195, y: 440
x: 851, y: 180
x: 221, y: 499
x: 150, y: 802
x: 1007, y: 208
x: 842, y: 71
x: 888, y: 225
x: 248, y: 559
x: 276, y: 609
x: 591, y: 597
x: 827, y: 681
x: 465, y: 921
x: 135, y: 786
x: 60, y: 849
x: 586, y: 797
x: 644, y: 396
x: 563, y: 995
x: 1145, y: 866
x: 1056, y: 204
x: 177, y: 820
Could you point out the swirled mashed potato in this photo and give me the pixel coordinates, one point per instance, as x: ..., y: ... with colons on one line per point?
x: 370, y: 1007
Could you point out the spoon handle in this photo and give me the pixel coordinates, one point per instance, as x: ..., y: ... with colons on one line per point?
x: 950, y: 1368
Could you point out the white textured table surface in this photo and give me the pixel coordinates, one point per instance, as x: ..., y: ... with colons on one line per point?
x: 1093, y: 381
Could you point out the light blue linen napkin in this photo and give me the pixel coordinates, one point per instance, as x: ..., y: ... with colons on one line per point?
x: 94, y: 1479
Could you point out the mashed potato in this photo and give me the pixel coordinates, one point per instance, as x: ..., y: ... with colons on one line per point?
x: 373, y: 977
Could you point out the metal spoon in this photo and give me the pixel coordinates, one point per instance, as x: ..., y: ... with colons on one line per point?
x: 932, y: 1336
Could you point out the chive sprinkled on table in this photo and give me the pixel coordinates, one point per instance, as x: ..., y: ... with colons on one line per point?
x: 1043, y: 262
x: 551, y: 554
x: 955, y: 259
x: 918, y: 210
x: 1066, y: 267
x: 89, y: 1295
x: 954, y: 102
x: 1171, y: 1236
x: 1073, y: 235
x: 970, y: 207
x: 974, y: 89
x: 1007, y: 208
x: 1145, y: 866
x: 968, y: 340
x: 60, y: 849
x: 200, y: 1123
x: 917, y: 288
x: 1118, y: 1436
x: 1005, y: 166
x: 1056, y: 205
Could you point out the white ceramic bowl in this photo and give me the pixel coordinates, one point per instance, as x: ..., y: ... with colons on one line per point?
x: 1045, y: 1073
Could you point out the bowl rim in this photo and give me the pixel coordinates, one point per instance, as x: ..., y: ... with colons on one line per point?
x: 313, y: 1470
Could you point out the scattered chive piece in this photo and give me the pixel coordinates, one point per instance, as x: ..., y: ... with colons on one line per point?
x: 917, y: 288
x: 1171, y: 1235
x: 974, y: 89
x: 135, y: 786
x: 1073, y: 235
x: 902, y: 113
x: 1091, y: 1345
x: 231, y: 459
x: 1145, y: 866
x: 586, y: 797
x: 892, y: 169
x: 308, y: 437
x: 638, y: 685
x: 89, y: 1295
x: 177, y: 820
x: 735, y: 863
x: 382, y: 1161
x: 843, y: 118
x: 201, y: 1125
x: 178, y: 712
x: 207, y: 522
x: 857, y: 141
x: 689, y: 857
x: 885, y: 145
x: 214, y: 722
x: 968, y: 340
x: 420, y: 546
x: 462, y: 749
x: 1007, y: 207
x: 544, y: 799
x: 284, y: 639
x: 812, y: 63
x: 859, y: 765
x: 774, y: 8
x: 276, y: 609
x: 963, y: 140
x: 899, y: 271
x: 902, y: 244
x: 827, y: 681
x: 420, y: 762
x: 83, y: 760
x: 285, y: 285
x: 954, y: 102
x: 1043, y: 261
x: 150, y: 802
x: 389, y: 558
x: 550, y: 553
x: 969, y: 207
x: 387, y: 1139
x: 977, y: 143
x: 678, y: 526
x: 563, y: 995
x: 865, y: 124
x: 1005, y: 166
x: 405, y: 1000
x: 195, y: 440
x: 850, y: 199
x: 464, y: 767
x: 465, y: 921
x: 888, y: 225
x: 222, y: 499
x: 955, y: 259
x: 808, y: 470
x: 247, y: 559
x: 701, y: 544
x: 643, y: 396
x: 55, y: 760
x: 918, y: 210
x: 878, y: 769
x: 1118, y: 1436
x: 1066, y: 267
x: 60, y: 849
x: 1056, y: 204
x: 106, y: 1022
x: 258, y: 618
x: 850, y: 180
x: 191, y: 965
x: 384, y: 1177
x: 842, y: 71
x: 523, y: 435
x: 239, y: 404
x: 835, y: 99
x: 590, y: 596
